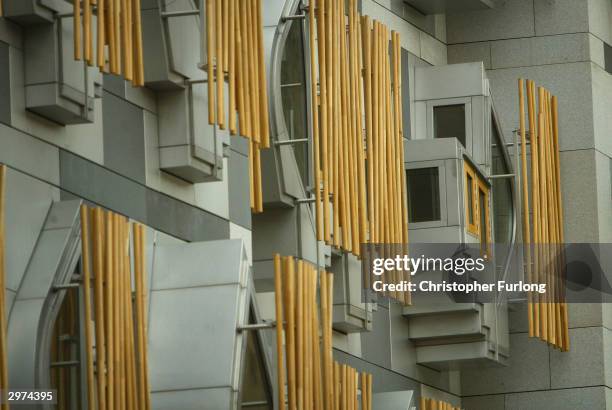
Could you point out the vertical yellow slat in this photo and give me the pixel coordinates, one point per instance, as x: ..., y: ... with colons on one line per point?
x: 210, y: 56
x: 100, y: 44
x: 525, y: 194
x: 139, y: 78
x: 289, y: 293
x: 98, y: 266
x: 278, y: 304
x: 232, y: 65
x: 264, y: 119
x: 77, y: 30
x: 321, y: 43
x: 219, y: 64
x: 316, y: 151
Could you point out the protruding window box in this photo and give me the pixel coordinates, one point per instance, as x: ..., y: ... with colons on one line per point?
x: 189, y: 148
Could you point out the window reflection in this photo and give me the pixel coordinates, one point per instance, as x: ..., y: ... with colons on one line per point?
x: 293, y: 94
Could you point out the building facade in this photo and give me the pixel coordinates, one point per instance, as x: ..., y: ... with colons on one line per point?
x: 72, y: 135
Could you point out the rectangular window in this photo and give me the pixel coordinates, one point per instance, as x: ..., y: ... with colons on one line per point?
x: 449, y: 122
x: 484, y: 230
x: 423, y: 194
x: 470, y: 204
x: 478, y: 220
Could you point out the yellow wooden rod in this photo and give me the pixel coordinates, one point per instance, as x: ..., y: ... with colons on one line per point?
x: 87, y: 32
x: 525, y: 194
x: 232, y: 65
x: 542, y: 222
x: 116, y: 312
x: 352, y: 174
x: 122, y: 311
x: 224, y: 31
x: 363, y: 210
x: 535, y: 198
x: 315, y: 119
x: 139, y: 78
x: 111, y: 36
x: 219, y: 64
x: 118, y: 37
x: 240, y: 79
x: 100, y: 44
x: 109, y: 311
x: 308, y: 340
x: 335, y: 158
x: 125, y: 50
x: 78, y: 46
x: 263, y: 88
x: 380, y: 134
x: 245, y: 75
x: 258, y: 187
x: 278, y: 304
x: 555, y: 113
x: 289, y: 303
x: 366, y: 35
x: 321, y: 44
x: 369, y: 388
x: 129, y: 10
x: 327, y: 382
x: 301, y: 330
x: 86, y: 283
x: 318, y: 372
x: 3, y: 318
x: 210, y: 57
x: 130, y: 353
x: 98, y: 269
x: 254, y: 72
x: 345, y: 130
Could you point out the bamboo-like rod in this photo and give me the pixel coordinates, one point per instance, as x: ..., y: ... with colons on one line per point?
x: 3, y: 315
x: 219, y: 63
x: 139, y: 74
x: 315, y: 120
x: 352, y: 173
x: 87, y: 302
x: 343, y: 139
x: 525, y: 197
x: 533, y: 132
x: 245, y: 115
x: 542, y: 222
x: 77, y: 30
x: 129, y: 10
x: 363, y: 209
x: 335, y: 116
x: 109, y: 313
x: 125, y: 41
x: 278, y: 304
x: 98, y: 271
x: 110, y: 27
x: 327, y: 382
x: 321, y: 49
x: 289, y: 304
x: 118, y: 57
x: 100, y: 44
x: 257, y: 176
x: 121, y: 290
x: 251, y: 175
x: 316, y: 352
x: 87, y: 32
x: 555, y: 117
x: 329, y: 329
x: 306, y: 370
x: 117, y: 322
x: 239, y: 56
x: 130, y: 353
x: 254, y: 71
x: 366, y: 35
x: 210, y: 58
x: 264, y: 119
x: 232, y: 65
x: 224, y: 31
x: 301, y: 330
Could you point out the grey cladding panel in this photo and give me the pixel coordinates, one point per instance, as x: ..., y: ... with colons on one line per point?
x: 124, y: 149
x: 5, y: 84
x: 238, y: 180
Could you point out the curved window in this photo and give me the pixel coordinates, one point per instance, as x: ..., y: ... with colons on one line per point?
x: 503, y: 210
x: 293, y: 93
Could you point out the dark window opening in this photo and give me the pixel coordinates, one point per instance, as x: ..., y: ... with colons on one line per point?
x: 482, y: 206
x: 423, y: 194
x: 470, y: 199
x: 449, y: 122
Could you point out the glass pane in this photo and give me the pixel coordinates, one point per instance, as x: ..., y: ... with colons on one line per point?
x: 482, y: 206
x: 470, y: 200
x: 293, y: 92
x: 255, y: 389
x: 449, y: 122
x: 502, y: 190
x: 423, y: 194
